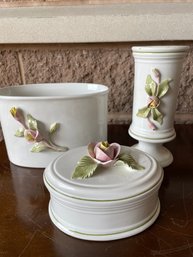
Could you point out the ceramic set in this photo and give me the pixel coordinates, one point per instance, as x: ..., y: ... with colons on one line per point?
x: 98, y: 191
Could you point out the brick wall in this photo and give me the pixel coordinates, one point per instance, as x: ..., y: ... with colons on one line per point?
x: 108, y: 64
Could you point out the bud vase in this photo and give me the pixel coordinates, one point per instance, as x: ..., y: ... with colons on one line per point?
x: 156, y: 86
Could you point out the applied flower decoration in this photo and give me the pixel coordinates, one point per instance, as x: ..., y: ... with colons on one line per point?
x: 103, y: 154
x: 156, y: 89
x: 30, y: 131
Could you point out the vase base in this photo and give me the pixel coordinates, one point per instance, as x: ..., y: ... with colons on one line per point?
x: 154, y: 137
x: 163, y: 156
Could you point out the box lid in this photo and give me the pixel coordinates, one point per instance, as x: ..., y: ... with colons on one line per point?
x: 108, y: 183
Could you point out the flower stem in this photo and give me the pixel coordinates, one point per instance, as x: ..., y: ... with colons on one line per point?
x: 54, y: 147
x: 151, y: 124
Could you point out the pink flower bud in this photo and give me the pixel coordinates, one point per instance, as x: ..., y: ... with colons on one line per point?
x: 103, y: 153
x: 156, y: 73
x: 18, y: 115
x: 32, y: 135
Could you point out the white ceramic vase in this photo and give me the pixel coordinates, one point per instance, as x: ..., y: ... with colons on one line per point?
x: 156, y: 86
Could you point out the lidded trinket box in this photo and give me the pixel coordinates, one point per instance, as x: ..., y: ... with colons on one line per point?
x: 116, y: 197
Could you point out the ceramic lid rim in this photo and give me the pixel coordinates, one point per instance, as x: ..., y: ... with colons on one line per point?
x: 50, y: 187
x: 104, y: 193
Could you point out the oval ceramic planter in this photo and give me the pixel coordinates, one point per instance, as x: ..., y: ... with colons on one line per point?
x: 41, y: 121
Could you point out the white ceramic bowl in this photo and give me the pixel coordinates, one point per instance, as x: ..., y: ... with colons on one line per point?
x: 116, y: 202
x: 78, y: 109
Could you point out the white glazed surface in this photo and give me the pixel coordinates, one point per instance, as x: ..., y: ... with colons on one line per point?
x: 114, y: 203
x: 80, y: 109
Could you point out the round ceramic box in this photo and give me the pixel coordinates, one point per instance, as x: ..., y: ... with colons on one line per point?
x: 117, y: 201
x: 41, y: 121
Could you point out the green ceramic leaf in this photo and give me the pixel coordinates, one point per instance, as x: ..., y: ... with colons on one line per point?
x: 32, y: 123
x: 157, y: 115
x: 150, y: 86
x: 163, y: 88
x: 20, y: 132
x: 38, y: 147
x: 53, y: 127
x: 130, y: 161
x: 85, y: 168
x: 144, y: 112
x: 119, y: 163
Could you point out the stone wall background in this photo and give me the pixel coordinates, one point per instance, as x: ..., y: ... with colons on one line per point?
x: 111, y: 65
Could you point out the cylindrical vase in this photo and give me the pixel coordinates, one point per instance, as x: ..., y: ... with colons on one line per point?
x: 156, y: 86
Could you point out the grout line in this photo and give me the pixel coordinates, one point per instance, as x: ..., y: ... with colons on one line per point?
x: 21, y: 68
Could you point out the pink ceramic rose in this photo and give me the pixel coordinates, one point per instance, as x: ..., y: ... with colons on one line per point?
x: 104, y: 153
x: 32, y: 135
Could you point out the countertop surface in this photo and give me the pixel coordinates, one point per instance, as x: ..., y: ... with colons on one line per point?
x: 27, y: 231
